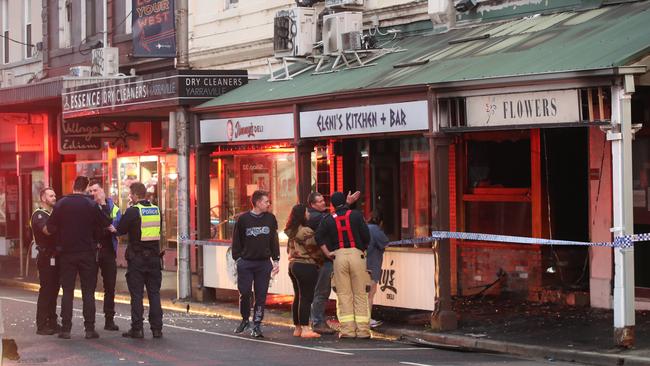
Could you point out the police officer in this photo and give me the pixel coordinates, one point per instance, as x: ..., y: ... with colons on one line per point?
x: 344, y: 237
x: 142, y: 222
x: 75, y: 220
x: 107, y: 249
x: 48, y: 267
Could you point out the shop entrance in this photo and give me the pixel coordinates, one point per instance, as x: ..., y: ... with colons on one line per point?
x: 564, y: 176
x: 392, y: 175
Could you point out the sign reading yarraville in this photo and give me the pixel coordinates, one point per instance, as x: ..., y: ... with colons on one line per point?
x: 178, y: 87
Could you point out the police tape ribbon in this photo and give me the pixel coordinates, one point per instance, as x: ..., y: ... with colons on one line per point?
x: 620, y: 242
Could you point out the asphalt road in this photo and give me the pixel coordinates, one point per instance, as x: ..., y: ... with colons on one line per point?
x: 199, y: 340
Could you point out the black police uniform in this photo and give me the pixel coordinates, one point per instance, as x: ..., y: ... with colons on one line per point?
x: 76, y: 219
x: 48, y: 274
x: 107, y: 264
x: 144, y: 269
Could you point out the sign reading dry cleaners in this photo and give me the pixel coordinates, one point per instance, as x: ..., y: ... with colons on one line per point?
x: 381, y: 118
x: 558, y: 106
x: 272, y: 127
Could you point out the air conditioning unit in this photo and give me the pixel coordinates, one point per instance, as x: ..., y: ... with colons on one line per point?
x: 294, y: 32
x: 351, y: 41
x: 80, y: 71
x: 106, y: 61
x: 356, y: 4
x: 335, y: 25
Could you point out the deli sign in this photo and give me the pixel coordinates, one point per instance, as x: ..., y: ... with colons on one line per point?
x: 269, y: 127
x: 558, y: 106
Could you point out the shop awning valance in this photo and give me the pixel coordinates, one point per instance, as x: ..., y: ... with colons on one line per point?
x: 577, y: 43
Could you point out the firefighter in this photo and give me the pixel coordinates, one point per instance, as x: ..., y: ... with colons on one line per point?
x: 144, y: 269
x: 344, y: 237
x: 107, y: 249
x: 48, y: 266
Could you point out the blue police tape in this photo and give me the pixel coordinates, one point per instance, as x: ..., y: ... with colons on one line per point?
x: 619, y: 242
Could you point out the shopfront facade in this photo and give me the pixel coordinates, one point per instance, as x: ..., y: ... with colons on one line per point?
x: 378, y: 146
x: 121, y: 131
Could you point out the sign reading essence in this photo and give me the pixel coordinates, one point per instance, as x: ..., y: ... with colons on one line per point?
x: 273, y: 127
x: 381, y: 118
x: 559, y: 106
x: 179, y: 87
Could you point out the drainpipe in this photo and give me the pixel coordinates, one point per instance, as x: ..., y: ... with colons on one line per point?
x: 184, y: 275
x: 621, y: 135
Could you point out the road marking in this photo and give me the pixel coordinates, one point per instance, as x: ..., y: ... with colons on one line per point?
x: 382, y: 349
x: 414, y: 364
x: 326, y: 350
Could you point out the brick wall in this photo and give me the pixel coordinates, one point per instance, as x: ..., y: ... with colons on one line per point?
x: 482, y: 263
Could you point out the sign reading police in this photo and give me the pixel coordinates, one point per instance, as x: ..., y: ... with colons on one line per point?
x: 382, y: 118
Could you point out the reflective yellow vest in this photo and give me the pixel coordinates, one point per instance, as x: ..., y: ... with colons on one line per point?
x: 150, y: 222
x: 115, y: 211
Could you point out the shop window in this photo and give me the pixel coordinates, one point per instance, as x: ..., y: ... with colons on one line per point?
x: 234, y: 178
x: 452, y: 113
x: 595, y: 104
x: 169, y: 199
x: 497, y: 195
x: 415, y: 209
x: 3, y: 205
x: 94, y: 170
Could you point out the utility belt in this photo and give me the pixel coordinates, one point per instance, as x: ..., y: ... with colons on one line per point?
x: 46, y: 252
x: 133, y: 251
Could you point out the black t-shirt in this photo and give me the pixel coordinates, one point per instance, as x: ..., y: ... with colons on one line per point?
x: 39, y: 219
x: 315, y: 217
x: 76, y: 219
x: 327, y: 234
x: 255, y: 237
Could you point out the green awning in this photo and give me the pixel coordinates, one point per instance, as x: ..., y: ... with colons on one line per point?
x: 604, y: 38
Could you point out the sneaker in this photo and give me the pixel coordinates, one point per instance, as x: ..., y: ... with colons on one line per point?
x: 45, y: 331
x: 133, y: 333
x: 64, y: 335
x: 157, y: 333
x: 245, y: 324
x: 110, y: 325
x: 92, y: 334
x: 375, y: 323
x: 323, y: 328
x: 257, y: 332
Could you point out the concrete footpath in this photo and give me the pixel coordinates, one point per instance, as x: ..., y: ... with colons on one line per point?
x: 530, y: 330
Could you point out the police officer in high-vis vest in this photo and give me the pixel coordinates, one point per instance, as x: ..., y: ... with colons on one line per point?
x: 344, y: 237
x: 142, y: 222
x: 48, y: 266
x: 106, y: 252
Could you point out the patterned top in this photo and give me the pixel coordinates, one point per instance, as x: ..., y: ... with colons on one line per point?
x: 302, y: 247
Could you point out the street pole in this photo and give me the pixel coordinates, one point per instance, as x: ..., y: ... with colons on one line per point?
x: 20, y: 215
x: 621, y: 137
x: 184, y: 279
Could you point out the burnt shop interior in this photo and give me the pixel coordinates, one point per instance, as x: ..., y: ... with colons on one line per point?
x: 392, y: 174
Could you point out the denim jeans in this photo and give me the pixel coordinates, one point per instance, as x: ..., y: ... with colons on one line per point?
x: 322, y: 293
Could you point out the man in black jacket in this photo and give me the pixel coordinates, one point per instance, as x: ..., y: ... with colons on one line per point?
x: 75, y: 220
x: 255, y: 242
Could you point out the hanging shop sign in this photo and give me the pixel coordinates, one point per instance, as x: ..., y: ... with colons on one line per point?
x: 173, y: 88
x: 381, y: 118
x: 80, y: 136
x: 558, y: 106
x: 273, y: 127
x: 154, y: 31
x: 29, y: 137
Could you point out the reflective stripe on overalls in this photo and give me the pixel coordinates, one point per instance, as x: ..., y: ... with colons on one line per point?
x: 341, y: 228
x: 150, y: 222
